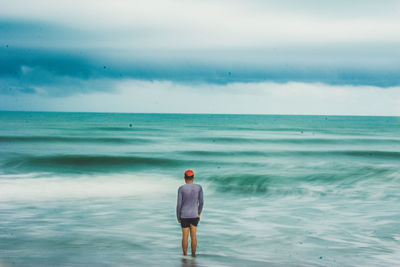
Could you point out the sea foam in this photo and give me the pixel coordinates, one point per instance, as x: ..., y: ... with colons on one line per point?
x: 31, y: 187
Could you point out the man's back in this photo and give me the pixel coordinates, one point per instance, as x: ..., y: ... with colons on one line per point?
x: 190, y: 201
x: 188, y: 210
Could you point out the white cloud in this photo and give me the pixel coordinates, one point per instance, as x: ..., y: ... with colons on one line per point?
x: 241, y: 98
x: 174, y: 24
x: 335, y: 38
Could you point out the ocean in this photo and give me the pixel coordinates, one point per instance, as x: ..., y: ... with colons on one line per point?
x: 99, y: 189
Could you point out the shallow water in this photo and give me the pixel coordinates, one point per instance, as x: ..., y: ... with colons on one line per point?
x: 87, y: 189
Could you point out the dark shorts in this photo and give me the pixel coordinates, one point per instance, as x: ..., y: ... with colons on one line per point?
x: 186, y: 222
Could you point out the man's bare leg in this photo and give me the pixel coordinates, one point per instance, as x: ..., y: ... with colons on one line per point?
x: 185, y: 236
x: 193, y: 238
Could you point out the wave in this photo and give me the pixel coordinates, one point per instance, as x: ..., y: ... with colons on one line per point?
x: 294, y: 153
x: 82, y: 163
x: 377, y: 154
x: 337, y: 177
x: 128, y: 129
x: 207, y: 153
x: 39, y: 187
x: 282, y: 185
x: 200, y: 159
x: 303, y: 140
x: 290, y: 131
x: 67, y: 139
x: 240, y: 183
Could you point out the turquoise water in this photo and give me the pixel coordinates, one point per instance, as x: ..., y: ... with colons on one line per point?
x: 95, y: 189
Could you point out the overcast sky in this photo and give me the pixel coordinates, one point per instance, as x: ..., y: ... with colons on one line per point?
x: 253, y: 56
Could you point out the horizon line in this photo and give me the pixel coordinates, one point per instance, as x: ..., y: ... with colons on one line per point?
x: 175, y: 113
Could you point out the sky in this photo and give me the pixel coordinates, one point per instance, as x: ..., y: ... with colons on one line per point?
x: 221, y: 56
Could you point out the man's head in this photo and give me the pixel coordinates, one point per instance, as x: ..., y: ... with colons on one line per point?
x: 189, y: 175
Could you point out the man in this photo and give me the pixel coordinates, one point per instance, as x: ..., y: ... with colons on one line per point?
x: 188, y: 210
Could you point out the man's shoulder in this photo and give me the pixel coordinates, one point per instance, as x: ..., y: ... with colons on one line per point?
x: 190, y: 186
x: 199, y: 187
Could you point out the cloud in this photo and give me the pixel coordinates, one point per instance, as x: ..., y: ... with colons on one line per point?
x: 240, y: 98
x: 64, y: 72
x: 55, y: 48
x: 221, y: 23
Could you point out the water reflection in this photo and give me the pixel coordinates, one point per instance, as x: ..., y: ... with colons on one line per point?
x: 189, y: 262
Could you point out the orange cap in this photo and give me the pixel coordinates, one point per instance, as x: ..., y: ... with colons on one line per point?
x: 189, y: 173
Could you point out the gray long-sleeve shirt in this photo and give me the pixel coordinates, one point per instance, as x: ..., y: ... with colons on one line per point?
x: 190, y: 201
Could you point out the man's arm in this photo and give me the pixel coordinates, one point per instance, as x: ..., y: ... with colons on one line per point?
x: 201, y: 201
x: 179, y: 205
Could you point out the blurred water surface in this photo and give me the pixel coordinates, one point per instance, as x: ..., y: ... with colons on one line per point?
x: 99, y: 189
